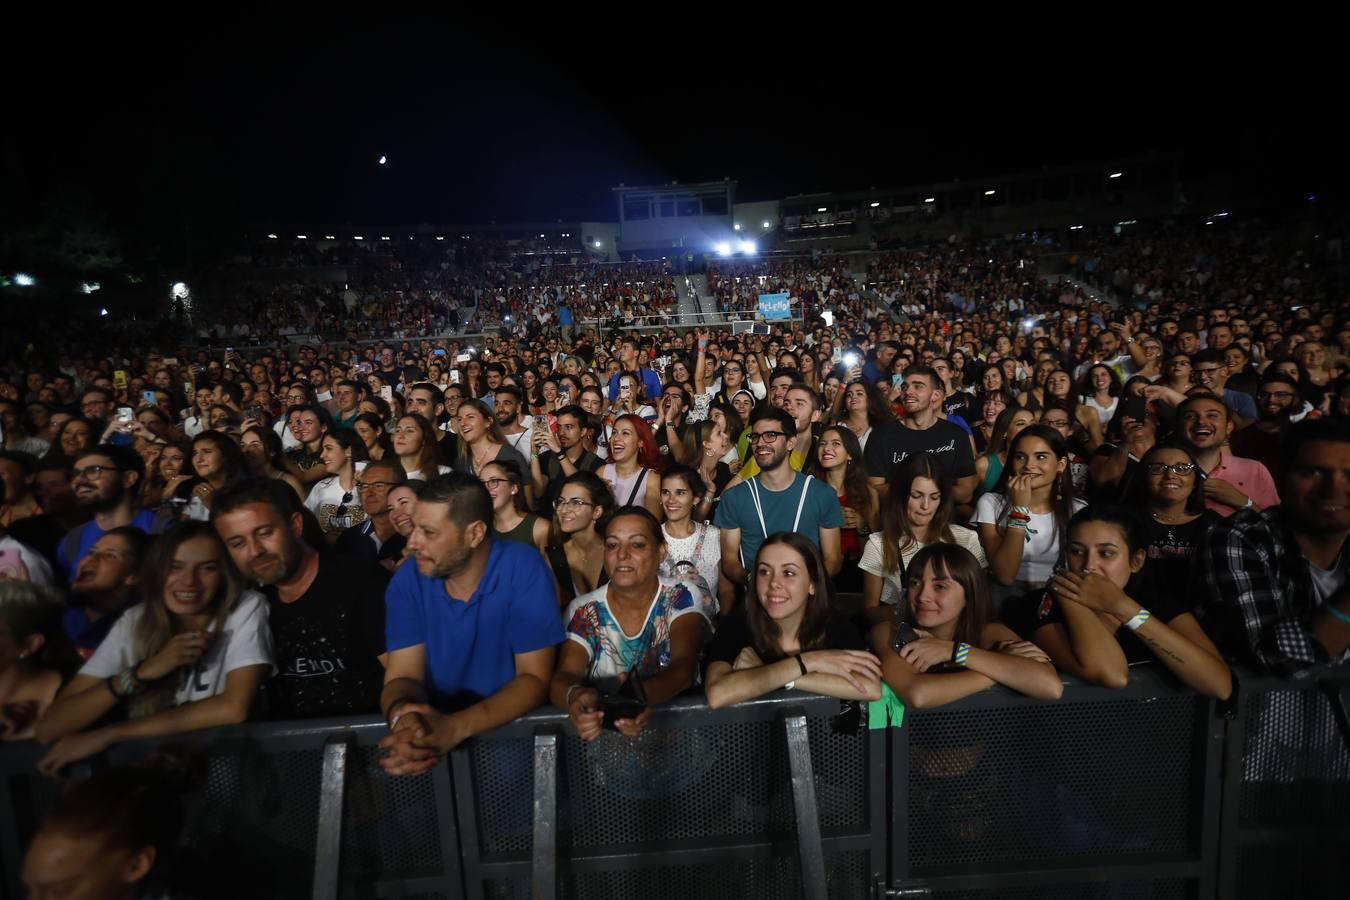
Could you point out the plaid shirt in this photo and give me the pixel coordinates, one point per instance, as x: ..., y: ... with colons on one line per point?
x: 1256, y: 591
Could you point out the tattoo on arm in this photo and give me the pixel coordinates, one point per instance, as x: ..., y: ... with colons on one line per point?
x: 1158, y: 648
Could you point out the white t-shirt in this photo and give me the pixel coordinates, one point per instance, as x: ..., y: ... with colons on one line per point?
x: 1042, y: 541
x: 522, y: 443
x: 891, y: 588
x: 288, y: 440
x: 246, y: 640
x: 706, y: 540
x: 1104, y: 413
x: 327, y: 497
x: 758, y: 388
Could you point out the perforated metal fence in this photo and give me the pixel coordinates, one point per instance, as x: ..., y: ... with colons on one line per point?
x: 1148, y: 791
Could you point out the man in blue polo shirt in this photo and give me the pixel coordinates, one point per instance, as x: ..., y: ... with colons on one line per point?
x: 472, y: 629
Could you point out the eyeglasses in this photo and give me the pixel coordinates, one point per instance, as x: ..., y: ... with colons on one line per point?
x: 374, y: 486
x: 574, y: 503
x: 93, y: 473
x: 1274, y: 395
x: 766, y: 437
x: 1164, y: 468
x: 1056, y: 423
x: 342, y: 507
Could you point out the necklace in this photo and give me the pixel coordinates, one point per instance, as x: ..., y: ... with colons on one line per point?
x: 1159, y: 519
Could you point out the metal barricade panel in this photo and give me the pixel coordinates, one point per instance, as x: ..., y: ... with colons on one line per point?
x: 1026, y: 785
x: 390, y: 825
x: 1296, y: 769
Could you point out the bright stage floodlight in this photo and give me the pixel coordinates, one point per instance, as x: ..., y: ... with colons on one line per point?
x: 748, y: 247
x: 722, y: 248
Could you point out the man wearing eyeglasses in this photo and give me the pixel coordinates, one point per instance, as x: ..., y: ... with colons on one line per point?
x: 375, y: 540
x: 1210, y: 371
x: 104, y: 586
x: 326, y: 611
x: 776, y: 499
x: 1278, y: 402
x: 108, y: 483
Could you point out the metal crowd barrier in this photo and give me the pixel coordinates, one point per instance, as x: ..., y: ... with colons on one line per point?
x: 1149, y: 791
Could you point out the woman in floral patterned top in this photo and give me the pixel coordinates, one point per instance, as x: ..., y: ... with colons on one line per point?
x: 640, y: 623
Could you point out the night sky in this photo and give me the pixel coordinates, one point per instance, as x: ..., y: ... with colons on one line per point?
x: 222, y: 126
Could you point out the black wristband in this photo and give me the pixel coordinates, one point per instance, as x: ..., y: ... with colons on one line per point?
x: 798, y: 658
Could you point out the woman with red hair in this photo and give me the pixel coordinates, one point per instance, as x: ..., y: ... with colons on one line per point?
x: 633, y: 458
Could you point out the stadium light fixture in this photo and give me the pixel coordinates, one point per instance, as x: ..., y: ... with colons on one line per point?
x: 929, y: 199
x: 23, y: 279
x: 383, y: 160
x: 597, y: 245
x: 723, y: 248
x: 822, y: 209
x: 302, y: 237
x: 179, y: 291
x: 358, y: 237
x: 384, y: 237
x: 330, y: 237
x: 440, y: 237
x: 103, y: 311
x: 272, y: 236
x: 876, y: 203
x: 1218, y: 215
x: 89, y: 287
x: 989, y: 193
x: 1075, y: 227
x: 748, y: 247
x: 1115, y: 175
x: 767, y: 225
x: 737, y: 226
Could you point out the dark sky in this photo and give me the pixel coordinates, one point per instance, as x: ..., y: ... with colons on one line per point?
x: 223, y: 126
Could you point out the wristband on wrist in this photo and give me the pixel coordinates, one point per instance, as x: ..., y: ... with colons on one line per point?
x: 960, y: 652
x: 800, y: 663
x: 1138, y: 619
x: 128, y: 685
x: 567, y: 697
x: 1337, y: 614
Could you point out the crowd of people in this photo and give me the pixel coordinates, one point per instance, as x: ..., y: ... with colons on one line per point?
x: 1013, y: 481
x: 360, y: 290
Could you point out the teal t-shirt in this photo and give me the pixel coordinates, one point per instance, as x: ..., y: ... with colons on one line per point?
x: 737, y: 509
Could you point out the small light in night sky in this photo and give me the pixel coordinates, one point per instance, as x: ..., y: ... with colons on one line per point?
x: 768, y: 225
x: 929, y: 199
x: 989, y: 193
x: 23, y: 279
x: 1115, y: 175
x: 103, y: 311
x: 383, y: 160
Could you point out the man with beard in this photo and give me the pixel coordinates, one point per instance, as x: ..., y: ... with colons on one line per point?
x: 560, y: 454
x: 1277, y: 399
x: 104, y: 586
x: 326, y: 612
x: 1274, y: 583
x: 108, y: 482
x: 1231, y: 482
x: 921, y: 431
x: 510, y: 400
x: 776, y: 499
x: 472, y: 628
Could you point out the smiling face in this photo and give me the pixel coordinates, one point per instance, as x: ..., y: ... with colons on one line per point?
x: 783, y: 583
x: 832, y: 453
x: 676, y: 498
x: 1033, y: 456
x: 1316, y: 488
x: 471, y: 424
x: 1204, y: 424
x: 576, y: 511
x: 623, y: 442
x: 195, y: 577
x: 334, y: 456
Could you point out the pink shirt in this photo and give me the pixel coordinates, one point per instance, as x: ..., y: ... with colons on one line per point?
x: 1247, y: 475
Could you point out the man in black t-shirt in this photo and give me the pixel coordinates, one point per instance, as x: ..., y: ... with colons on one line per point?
x: 921, y: 431
x: 326, y: 612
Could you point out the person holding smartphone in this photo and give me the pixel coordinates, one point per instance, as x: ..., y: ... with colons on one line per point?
x: 640, y: 625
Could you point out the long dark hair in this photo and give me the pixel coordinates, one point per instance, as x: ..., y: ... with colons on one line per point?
x: 956, y: 563
x: 855, y: 477
x: 764, y: 631
x: 1136, y: 495
x: 878, y: 411
x: 896, y: 534
x: 1061, y: 496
